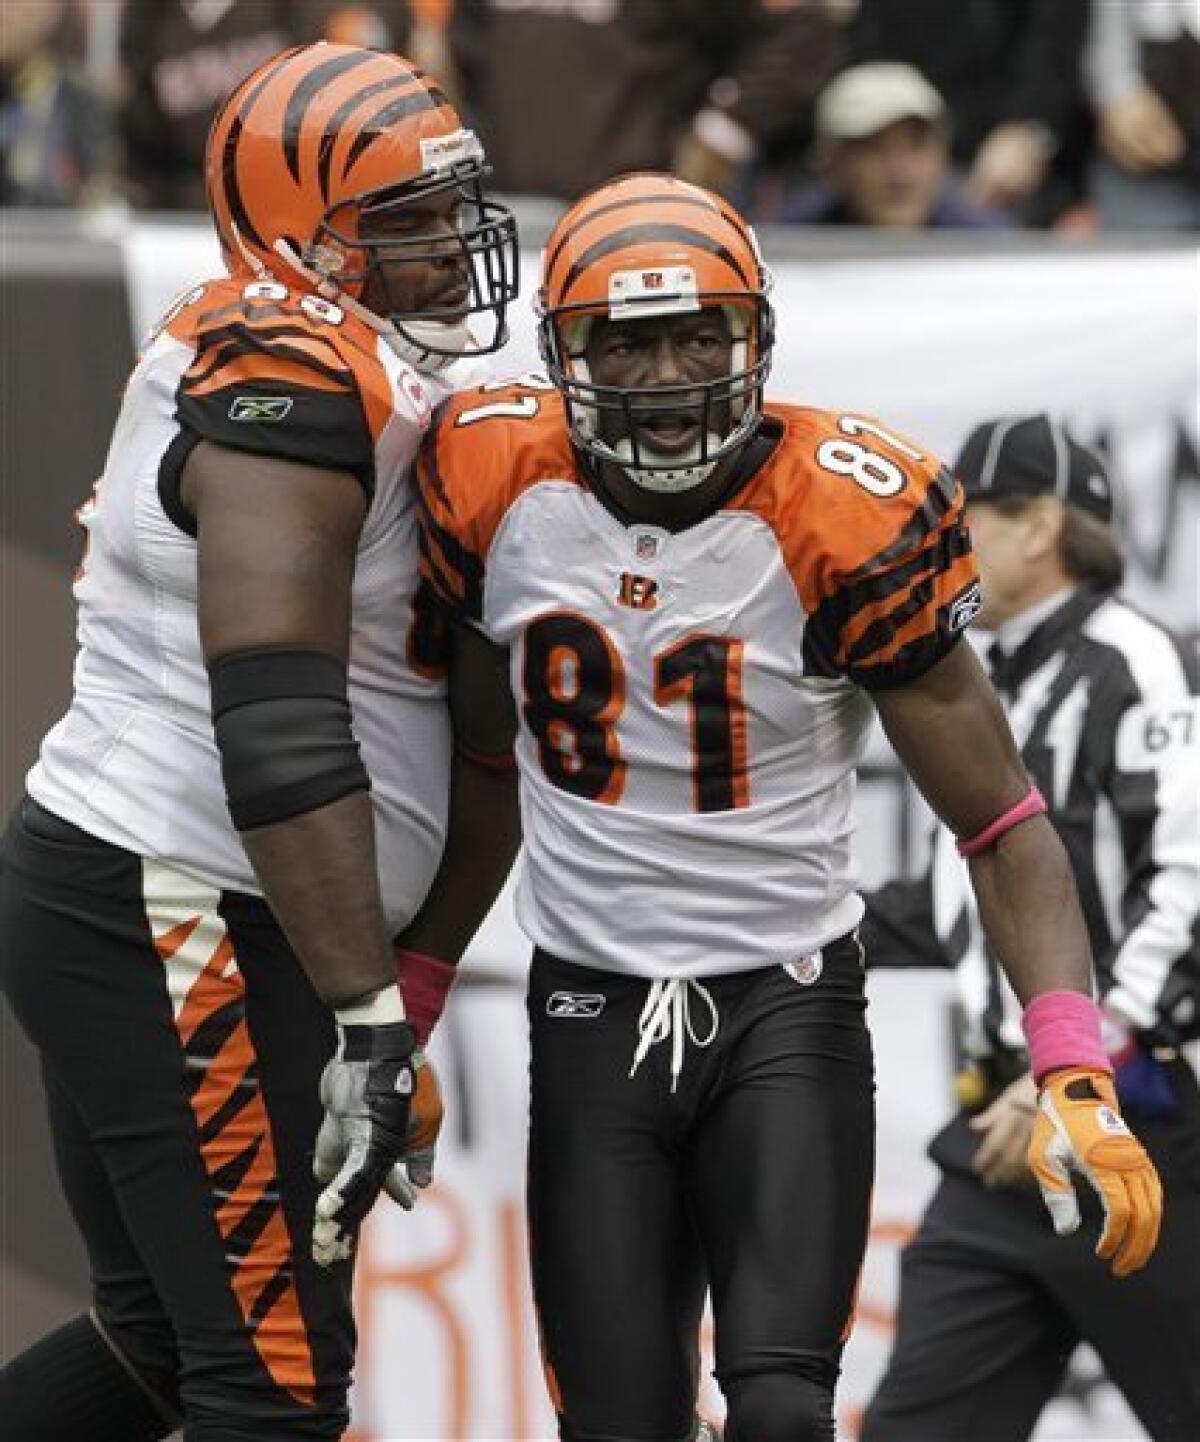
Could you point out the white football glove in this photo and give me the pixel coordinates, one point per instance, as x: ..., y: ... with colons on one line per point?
x: 383, y: 1111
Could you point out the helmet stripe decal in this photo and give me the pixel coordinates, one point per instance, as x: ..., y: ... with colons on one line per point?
x: 233, y: 191
x: 427, y: 98
x: 306, y: 92
x: 737, y: 222
x: 343, y: 113
x: 591, y: 215
x: 641, y: 234
x: 246, y: 94
x: 229, y: 177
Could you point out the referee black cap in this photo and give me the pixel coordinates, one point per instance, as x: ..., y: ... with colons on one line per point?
x: 1033, y: 456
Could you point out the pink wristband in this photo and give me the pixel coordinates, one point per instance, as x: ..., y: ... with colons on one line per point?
x: 1033, y: 803
x: 425, y: 982
x: 1063, y: 1030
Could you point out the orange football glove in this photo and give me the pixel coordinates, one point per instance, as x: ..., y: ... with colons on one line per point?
x: 1079, y: 1128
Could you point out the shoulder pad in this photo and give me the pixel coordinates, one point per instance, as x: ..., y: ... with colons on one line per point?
x: 282, y: 373
x: 855, y: 491
x: 487, y: 446
x: 872, y: 530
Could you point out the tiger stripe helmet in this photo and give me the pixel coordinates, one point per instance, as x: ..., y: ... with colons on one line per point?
x: 647, y: 245
x: 323, y: 136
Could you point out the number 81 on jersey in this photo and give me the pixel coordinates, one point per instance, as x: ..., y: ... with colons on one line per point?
x: 574, y: 693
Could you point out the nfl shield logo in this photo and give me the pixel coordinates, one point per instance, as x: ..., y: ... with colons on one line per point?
x: 645, y: 546
x: 805, y: 969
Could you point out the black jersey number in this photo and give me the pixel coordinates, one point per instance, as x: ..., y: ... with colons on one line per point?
x: 574, y: 693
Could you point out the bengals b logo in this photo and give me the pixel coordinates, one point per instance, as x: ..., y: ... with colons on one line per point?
x: 640, y: 592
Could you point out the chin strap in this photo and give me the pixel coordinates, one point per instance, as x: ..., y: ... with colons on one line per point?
x: 429, y: 345
x: 666, y: 479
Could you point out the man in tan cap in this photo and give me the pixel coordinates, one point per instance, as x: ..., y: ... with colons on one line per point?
x: 883, y: 154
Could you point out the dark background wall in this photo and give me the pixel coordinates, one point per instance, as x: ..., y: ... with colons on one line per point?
x: 65, y: 350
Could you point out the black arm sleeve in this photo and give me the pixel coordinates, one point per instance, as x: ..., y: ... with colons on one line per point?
x: 282, y: 724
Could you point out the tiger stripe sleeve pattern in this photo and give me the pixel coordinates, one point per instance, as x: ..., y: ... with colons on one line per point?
x: 886, y: 620
x: 452, y: 567
x: 264, y: 379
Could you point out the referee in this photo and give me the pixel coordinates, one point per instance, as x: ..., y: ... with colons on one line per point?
x: 1103, y: 702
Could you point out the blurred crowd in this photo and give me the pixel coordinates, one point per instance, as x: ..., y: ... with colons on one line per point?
x: 1074, y: 115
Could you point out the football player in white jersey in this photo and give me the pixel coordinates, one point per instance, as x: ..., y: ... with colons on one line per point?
x: 702, y: 593
x: 247, y: 800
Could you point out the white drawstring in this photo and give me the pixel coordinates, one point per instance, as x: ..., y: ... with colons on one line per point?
x: 667, y: 1013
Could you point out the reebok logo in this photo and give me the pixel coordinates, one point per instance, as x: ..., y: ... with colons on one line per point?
x: 586, y: 1004
x: 965, y: 607
x: 260, y: 408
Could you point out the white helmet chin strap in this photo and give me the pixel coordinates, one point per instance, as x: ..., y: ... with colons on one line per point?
x: 429, y: 345
x: 687, y: 472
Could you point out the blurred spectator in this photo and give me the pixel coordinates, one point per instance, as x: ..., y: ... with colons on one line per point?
x: 1010, y: 73
x: 54, y: 128
x: 570, y: 92
x: 884, y: 152
x: 182, y: 57
x: 1142, y: 69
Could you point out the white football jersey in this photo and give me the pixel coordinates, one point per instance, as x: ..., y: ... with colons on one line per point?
x: 134, y: 761
x: 692, y: 704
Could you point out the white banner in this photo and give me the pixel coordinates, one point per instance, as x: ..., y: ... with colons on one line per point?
x: 1106, y: 341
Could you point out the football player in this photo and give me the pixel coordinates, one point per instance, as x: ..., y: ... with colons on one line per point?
x: 247, y: 799
x: 704, y: 595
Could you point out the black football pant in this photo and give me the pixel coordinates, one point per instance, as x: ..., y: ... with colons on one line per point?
x: 182, y: 1047
x: 993, y: 1303
x: 753, y: 1177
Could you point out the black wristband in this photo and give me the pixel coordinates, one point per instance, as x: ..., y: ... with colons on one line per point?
x: 394, y: 1041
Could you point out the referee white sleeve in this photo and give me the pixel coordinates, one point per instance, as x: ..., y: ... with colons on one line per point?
x: 1155, y: 789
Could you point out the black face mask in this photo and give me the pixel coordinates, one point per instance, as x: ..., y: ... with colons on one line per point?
x: 484, y: 245
x: 727, y: 407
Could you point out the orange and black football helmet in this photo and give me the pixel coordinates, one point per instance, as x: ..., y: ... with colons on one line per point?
x: 321, y: 140
x: 648, y: 245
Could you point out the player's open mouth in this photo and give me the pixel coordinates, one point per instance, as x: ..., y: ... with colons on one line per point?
x: 672, y: 433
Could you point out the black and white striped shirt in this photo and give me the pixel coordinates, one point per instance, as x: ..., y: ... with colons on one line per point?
x: 1103, y: 703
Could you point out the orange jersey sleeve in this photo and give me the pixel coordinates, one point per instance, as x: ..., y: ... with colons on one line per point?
x: 486, y: 446
x: 872, y: 530
x: 274, y: 374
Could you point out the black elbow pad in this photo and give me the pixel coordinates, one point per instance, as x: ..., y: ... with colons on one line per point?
x: 282, y: 724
